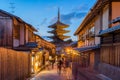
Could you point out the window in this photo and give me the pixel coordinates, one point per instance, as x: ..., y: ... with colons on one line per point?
x: 16, y: 33
x: 92, y: 31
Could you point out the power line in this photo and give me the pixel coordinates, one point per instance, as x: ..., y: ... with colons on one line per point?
x: 12, y: 7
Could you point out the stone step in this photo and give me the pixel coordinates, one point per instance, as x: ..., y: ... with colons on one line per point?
x: 103, y: 77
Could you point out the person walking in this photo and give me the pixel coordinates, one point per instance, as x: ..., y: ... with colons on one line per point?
x: 53, y: 61
x: 59, y: 66
x: 68, y: 69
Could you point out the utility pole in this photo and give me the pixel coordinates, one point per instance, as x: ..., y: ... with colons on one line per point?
x: 12, y: 7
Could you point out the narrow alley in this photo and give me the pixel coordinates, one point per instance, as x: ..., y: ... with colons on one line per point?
x: 59, y: 39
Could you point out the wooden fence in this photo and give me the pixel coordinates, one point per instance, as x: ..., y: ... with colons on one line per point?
x: 14, y: 65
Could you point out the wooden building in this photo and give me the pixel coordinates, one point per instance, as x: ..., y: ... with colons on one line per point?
x: 14, y: 31
x: 21, y: 50
x: 99, y: 52
x: 46, y: 49
x: 15, y: 36
x: 110, y: 51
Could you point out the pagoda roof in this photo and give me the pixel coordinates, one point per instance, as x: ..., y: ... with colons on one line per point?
x: 62, y: 25
x: 64, y: 37
x: 59, y: 31
x: 60, y: 36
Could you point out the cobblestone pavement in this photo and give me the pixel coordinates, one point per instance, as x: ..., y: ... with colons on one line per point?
x: 52, y: 74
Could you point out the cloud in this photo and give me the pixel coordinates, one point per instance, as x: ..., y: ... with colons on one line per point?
x: 77, y: 13
x: 74, y: 15
x: 53, y: 20
x: 67, y: 18
x: 49, y: 8
x: 82, y: 7
x: 46, y: 38
x: 44, y: 21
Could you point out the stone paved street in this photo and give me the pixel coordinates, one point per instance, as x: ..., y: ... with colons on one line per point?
x: 52, y: 74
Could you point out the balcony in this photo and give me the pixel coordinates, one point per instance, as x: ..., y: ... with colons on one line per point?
x: 87, y: 37
x: 91, y: 34
x: 82, y: 38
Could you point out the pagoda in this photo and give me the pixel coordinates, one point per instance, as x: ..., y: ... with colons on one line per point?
x: 58, y: 31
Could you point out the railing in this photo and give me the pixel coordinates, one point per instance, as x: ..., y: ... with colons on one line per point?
x: 82, y: 38
x: 88, y: 45
x: 91, y: 34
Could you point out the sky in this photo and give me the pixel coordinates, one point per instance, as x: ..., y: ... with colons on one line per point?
x: 42, y: 13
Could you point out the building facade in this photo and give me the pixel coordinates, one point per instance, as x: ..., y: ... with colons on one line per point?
x: 95, y: 49
x: 22, y: 48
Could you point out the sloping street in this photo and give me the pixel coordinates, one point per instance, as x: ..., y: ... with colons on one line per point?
x: 60, y: 40
x: 52, y: 74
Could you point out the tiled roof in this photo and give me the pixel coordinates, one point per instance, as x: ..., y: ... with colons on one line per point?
x: 27, y: 47
x: 22, y: 48
x: 58, y: 23
x: 32, y: 44
x: 18, y: 18
x: 109, y: 30
x: 73, y: 43
x: 116, y: 20
x: 83, y: 49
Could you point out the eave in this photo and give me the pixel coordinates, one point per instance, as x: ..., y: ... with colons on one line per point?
x: 109, y: 30
x: 59, y: 31
x: 92, y: 13
x: 58, y: 23
x: 17, y: 18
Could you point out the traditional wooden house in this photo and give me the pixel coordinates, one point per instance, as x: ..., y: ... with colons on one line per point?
x: 19, y: 37
x: 110, y: 51
x: 17, y: 41
x: 88, y: 43
x: 41, y: 54
x: 97, y: 22
x: 14, y: 31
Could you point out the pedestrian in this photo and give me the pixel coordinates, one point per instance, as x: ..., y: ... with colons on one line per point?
x: 67, y: 64
x: 68, y: 69
x: 59, y: 66
x: 53, y: 61
x: 47, y: 64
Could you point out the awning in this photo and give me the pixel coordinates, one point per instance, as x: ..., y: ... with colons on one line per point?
x: 22, y: 48
x: 73, y: 43
x: 109, y: 30
x: 115, y: 20
x: 32, y: 44
x: 40, y: 49
x: 83, y: 49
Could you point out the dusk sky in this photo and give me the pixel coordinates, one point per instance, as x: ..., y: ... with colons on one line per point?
x: 42, y: 13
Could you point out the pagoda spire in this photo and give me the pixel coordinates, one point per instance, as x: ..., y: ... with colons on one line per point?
x: 58, y: 30
x: 58, y: 14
